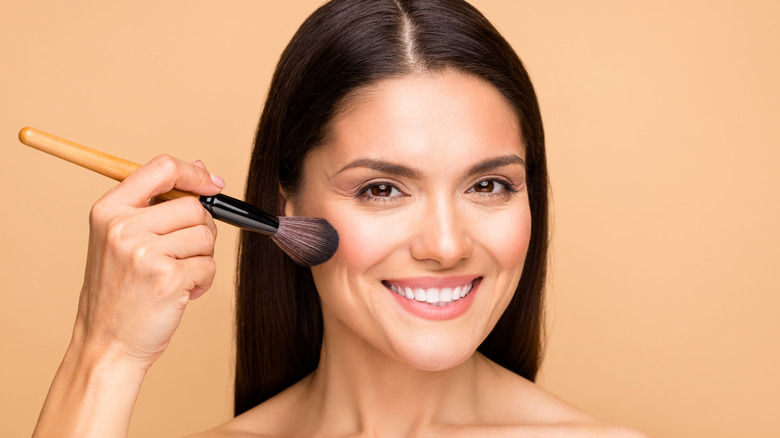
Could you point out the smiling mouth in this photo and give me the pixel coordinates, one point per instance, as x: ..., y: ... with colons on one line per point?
x: 433, y: 296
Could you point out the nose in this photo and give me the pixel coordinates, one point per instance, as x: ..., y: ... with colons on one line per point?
x: 442, y: 235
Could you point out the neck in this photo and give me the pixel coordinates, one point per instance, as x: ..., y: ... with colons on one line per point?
x: 358, y: 389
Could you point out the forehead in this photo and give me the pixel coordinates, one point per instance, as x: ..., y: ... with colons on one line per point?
x: 422, y: 117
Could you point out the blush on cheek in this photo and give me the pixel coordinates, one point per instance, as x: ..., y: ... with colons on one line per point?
x: 365, y: 240
x: 508, y: 238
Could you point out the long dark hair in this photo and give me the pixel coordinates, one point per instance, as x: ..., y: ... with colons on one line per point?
x: 341, y: 47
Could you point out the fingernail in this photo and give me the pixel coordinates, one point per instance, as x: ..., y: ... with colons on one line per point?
x: 219, y: 182
x: 199, y: 163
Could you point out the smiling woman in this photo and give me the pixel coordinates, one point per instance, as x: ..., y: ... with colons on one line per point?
x: 420, y: 229
x: 413, y: 128
x: 385, y: 121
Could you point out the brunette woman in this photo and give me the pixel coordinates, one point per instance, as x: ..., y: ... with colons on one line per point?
x: 413, y: 128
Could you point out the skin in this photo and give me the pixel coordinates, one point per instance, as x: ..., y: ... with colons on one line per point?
x: 434, y: 224
x: 458, y: 207
x: 144, y: 264
x: 422, y: 212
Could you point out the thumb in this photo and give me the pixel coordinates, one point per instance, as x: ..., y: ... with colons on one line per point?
x: 219, y: 182
x: 163, y: 174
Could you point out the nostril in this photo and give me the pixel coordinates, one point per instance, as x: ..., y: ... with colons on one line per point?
x: 442, y: 234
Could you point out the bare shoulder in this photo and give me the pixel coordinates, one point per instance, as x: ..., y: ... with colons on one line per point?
x: 517, y: 407
x: 273, y: 418
x: 509, y: 406
x: 238, y: 427
x: 515, y: 399
x: 243, y: 426
x: 234, y: 428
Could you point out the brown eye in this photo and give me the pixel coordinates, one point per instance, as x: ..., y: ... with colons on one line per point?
x: 381, y: 190
x: 484, y: 186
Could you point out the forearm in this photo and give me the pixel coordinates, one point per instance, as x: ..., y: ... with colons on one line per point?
x: 92, y: 395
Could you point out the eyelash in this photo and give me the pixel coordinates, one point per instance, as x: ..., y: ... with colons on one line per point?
x: 509, y: 188
x: 364, y: 195
x: 363, y: 192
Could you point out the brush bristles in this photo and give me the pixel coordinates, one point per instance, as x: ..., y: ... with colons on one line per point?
x: 307, y: 240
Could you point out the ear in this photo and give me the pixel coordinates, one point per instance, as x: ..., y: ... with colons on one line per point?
x: 286, y: 207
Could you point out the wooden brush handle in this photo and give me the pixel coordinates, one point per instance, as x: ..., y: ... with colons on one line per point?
x: 100, y: 162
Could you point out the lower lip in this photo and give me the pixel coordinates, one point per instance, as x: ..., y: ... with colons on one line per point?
x: 428, y: 311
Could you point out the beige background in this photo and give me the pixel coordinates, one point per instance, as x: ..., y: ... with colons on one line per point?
x: 663, y: 146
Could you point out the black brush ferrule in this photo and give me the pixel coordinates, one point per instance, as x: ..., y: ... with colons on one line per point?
x: 240, y: 214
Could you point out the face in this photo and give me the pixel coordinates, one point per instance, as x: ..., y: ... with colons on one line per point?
x: 424, y: 179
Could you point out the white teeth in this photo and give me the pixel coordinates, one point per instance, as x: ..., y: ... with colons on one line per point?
x: 433, y: 296
x: 457, y: 293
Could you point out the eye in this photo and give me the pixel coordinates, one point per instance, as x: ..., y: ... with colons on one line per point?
x: 488, y: 186
x: 381, y: 191
x: 491, y: 186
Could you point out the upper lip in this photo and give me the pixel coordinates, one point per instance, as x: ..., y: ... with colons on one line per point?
x: 432, y: 282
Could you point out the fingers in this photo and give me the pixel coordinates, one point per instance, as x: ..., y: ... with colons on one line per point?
x: 158, y: 220
x: 159, y: 176
x: 192, y: 276
x: 219, y: 182
x: 189, y: 242
x: 163, y: 174
x: 163, y: 240
x: 144, y: 262
x: 170, y: 216
x: 202, y: 270
x: 194, y: 247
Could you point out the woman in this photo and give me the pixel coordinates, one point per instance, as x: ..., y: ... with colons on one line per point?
x: 413, y: 128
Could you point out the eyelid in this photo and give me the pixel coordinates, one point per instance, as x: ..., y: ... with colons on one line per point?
x: 506, y: 182
x: 509, y: 188
x: 362, y: 191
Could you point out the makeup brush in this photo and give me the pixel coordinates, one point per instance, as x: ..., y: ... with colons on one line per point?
x: 308, y: 241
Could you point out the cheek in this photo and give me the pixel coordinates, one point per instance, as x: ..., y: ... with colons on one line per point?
x: 366, y: 240
x: 507, y: 237
x: 363, y: 241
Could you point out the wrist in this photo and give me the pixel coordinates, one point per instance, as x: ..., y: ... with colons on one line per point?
x: 93, y: 359
x: 92, y: 395
x: 92, y: 351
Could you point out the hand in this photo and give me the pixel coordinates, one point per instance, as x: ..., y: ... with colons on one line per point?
x: 145, y: 262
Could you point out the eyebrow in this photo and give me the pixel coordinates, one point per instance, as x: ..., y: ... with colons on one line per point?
x: 495, y: 163
x: 408, y: 172
x: 384, y: 167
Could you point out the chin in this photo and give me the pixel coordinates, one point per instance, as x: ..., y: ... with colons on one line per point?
x: 433, y: 356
